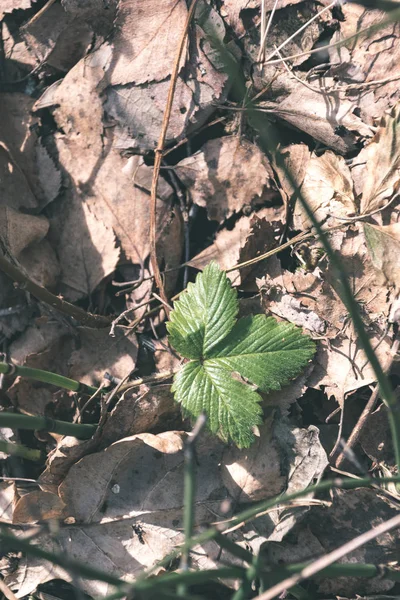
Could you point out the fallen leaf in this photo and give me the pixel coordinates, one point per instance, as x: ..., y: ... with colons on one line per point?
x: 317, y: 113
x: 384, y: 247
x: 41, y: 262
x: 7, y: 493
x: 38, y: 506
x: 7, y: 6
x: 226, y: 175
x: 296, y: 158
x: 370, y: 57
x: 382, y: 172
x: 86, y: 250
x: 18, y: 230
x: 145, y: 30
x: 142, y: 411
x: 99, y: 353
x: 327, y: 189
x: 227, y: 249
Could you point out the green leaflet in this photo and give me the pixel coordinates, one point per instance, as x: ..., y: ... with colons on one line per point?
x: 204, y: 328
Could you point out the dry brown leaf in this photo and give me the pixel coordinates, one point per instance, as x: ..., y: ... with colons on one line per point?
x: 38, y: 506
x: 100, y: 16
x: 382, y: 171
x: 138, y: 105
x: 325, y: 529
x: 327, y: 188
x: 374, y: 56
x: 49, y: 176
x: 384, y: 247
x: 57, y: 39
x: 7, y: 494
x: 147, y: 34
x: 296, y: 158
x: 317, y: 113
x: 18, y: 230
x: 99, y: 353
x: 141, y: 483
x: 41, y: 262
x: 228, y: 245
x: 226, y: 175
x: 86, y: 250
x: 116, y: 189
x: 143, y: 411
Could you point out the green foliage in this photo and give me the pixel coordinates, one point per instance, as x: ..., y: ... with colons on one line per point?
x: 203, y: 328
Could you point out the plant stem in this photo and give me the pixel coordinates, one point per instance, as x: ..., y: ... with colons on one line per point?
x: 20, y: 451
x: 47, y: 377
x: 80, y: 431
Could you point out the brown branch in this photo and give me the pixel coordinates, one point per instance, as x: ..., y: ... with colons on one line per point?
x: 40, y: 293
x: 159, y: 154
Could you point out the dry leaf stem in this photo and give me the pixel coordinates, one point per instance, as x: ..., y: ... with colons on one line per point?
x: 40, y: 293
x: 159, y: 154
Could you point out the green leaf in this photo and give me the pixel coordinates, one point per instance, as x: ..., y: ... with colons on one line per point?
x: 264, y: 352
x: 204, y: 314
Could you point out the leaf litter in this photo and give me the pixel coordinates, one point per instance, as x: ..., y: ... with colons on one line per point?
x: 76, y: 152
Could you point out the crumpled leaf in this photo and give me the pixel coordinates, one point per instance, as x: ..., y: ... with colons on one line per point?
x: 382, y: 173
x: 225, y: 175
x: 384, y: 247
x: 268, y: 354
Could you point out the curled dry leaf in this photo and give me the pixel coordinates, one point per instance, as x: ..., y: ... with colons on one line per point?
x: 382, y: 172
x: 38, y: 506
x: 226, y: 175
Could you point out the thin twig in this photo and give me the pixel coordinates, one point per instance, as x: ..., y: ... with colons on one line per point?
x: 159, y: 153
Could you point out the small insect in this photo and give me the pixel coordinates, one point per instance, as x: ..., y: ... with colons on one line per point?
x: 138, y: 529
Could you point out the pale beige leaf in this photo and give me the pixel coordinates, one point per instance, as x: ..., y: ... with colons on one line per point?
x: 7, y: 493
x: 147, y: 34
x: 49, y: 176
x: 86, y: 250
x: 226, y: 175
x: 99, y: 353
x: 384, y: 248
x: 327, y: 188
x: 382, y: 177
x: 7, y: 6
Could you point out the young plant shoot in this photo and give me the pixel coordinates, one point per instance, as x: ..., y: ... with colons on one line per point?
x: 204, y: 328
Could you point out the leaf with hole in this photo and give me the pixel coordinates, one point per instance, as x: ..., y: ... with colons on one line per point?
x: 230, y: 358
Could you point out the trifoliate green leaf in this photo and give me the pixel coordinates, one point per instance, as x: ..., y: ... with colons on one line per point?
x: 264, y: 352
